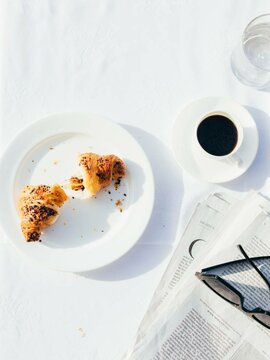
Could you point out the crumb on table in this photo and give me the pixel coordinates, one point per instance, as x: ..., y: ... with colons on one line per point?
x: 82, y: 332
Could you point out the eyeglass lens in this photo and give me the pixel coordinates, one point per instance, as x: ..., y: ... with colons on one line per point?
x: 222, y: 290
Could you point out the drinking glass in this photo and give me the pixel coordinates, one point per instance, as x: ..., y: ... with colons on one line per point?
x: 250, y: 60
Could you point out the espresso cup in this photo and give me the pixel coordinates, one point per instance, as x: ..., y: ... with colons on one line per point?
x: 219, y: 137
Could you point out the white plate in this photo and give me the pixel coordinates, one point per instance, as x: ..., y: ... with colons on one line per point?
x: 214, y: 171
x: 89, y: 233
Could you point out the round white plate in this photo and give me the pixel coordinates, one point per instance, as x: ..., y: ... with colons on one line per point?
x: 89, y: 233
x: 211, y: 170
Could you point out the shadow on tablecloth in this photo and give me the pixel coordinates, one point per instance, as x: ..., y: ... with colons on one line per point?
x: 156, y: 242
x: 257, y: 174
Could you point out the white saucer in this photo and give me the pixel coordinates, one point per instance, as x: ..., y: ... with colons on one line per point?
x: 211, y: 170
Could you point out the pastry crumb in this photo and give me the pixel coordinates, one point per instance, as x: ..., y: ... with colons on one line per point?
x: 117, y: 183
x: 82, y: 332
x: 55, y: 162
x: 76, y: 183
x: 119, y: 202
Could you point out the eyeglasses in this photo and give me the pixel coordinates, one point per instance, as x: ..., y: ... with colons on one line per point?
x: 225, y: 290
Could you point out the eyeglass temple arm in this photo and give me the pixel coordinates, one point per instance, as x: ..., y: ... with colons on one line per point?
x: 253, y: 265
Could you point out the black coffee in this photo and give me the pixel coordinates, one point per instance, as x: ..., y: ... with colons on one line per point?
x: 217, y: 135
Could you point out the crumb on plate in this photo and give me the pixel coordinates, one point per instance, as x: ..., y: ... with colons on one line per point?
x: 119, y: 202
x: 76, y: 183
x: 117, y: 183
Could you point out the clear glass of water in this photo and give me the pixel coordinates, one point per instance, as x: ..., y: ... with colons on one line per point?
x: 250, y: 60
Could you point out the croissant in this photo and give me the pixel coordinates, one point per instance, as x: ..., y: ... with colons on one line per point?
x: 39, y: 207
x: 98, y: 172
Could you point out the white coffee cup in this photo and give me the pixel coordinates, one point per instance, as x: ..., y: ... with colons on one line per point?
x: 233, y: 156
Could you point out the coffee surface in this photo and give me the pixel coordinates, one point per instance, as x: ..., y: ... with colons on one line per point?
x: 217, y: 135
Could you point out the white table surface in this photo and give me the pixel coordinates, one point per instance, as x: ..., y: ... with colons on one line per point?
x: 137, y: 63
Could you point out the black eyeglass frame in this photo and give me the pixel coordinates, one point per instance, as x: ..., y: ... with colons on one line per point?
x: 203, y: 276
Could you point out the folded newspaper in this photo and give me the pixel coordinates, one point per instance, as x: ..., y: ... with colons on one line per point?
x: 188, y: 321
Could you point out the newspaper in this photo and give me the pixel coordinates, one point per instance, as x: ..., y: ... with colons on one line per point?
x: 186, y: 320
x: 207, y: 219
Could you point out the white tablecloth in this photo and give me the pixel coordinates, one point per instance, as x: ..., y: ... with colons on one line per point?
x: 137, y: 63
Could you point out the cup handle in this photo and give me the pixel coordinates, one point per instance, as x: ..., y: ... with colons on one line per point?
x: 234, y: 160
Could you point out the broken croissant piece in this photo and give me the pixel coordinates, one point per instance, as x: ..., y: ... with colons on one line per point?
x: 98, y: 171
x: 39, y: 207
x: 76, y: 183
